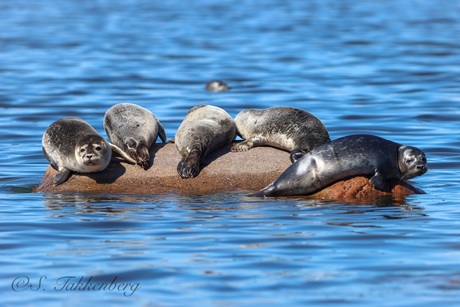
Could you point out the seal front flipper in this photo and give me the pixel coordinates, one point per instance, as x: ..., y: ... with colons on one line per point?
x: 120, y: 153
x: 242, y: 146
x: 378, y: 181
x: 296, y: 154
x: 62, y: 176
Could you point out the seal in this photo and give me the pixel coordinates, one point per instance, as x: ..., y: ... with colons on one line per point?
x: 204, y: 129
x: 286, y: 128
x: 72, y: 145
x: 217, y: 86
x: 133, y: 129
x: 347, y: 157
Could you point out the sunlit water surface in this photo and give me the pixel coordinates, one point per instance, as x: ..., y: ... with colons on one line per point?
x: 390, y: 68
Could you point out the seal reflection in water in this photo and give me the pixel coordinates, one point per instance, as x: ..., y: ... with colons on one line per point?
x: 347, y: 157
x: 287, y: 128
x: 134, y: 129
x: 72, y: 145
x: 204, y: 129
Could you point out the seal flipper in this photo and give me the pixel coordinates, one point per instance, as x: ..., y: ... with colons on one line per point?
x: 161, y: 132
x: 243, y: 145
x: 296, y: 154
x: 378, y: 181
x: 119, y: 152
x: 62, y: 176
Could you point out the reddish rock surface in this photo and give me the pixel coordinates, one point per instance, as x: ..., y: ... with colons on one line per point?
x: 224, y: 172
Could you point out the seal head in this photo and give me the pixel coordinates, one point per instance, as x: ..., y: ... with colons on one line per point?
x: 412, y: 162
x: 217, y: 86
x: 91, y: 153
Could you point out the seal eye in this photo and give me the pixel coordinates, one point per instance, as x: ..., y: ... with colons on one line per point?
x: 82, y: 150
x: 98, y: 148
x: 409, y: 161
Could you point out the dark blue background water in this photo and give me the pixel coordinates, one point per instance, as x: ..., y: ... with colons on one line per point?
x: 390, y: 68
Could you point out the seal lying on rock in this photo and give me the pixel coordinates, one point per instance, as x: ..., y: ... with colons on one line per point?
x: 287, y: 128
x: 71, y: 145
x: 348, y: 157
x: 204, y: 129
x: 134, y: 129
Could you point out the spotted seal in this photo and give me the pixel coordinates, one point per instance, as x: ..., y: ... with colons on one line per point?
x: 217, y: 86
x: 134, y: 129
x: 204, y: 129
x: 347, y: 157
x: 287, y: 128
x: 72, y: 145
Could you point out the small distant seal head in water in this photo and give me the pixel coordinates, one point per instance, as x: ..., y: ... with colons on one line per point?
x: 217, y: 86
x: 72, y: 145
x: 133, y: 129
x: 205, y: 129
x: 287, y: 128
x: 346, y: 157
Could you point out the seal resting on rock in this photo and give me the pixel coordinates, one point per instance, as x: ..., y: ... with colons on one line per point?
x: 72, y: 145
x: 287, y: 128
x: 204, y: 129
x: 347, y: 157
x: 133, y: 129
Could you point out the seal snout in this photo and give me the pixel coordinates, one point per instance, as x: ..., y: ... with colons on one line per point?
x: 421, y: 169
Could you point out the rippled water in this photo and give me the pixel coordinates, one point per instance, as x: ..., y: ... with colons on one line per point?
x: 390, y: 68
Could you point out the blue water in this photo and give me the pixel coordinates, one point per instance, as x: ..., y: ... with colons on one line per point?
x: 390, y: 68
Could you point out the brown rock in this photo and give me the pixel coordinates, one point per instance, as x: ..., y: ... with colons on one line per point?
x: 224, y: 172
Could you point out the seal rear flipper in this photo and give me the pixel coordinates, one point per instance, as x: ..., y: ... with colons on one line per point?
x: 62, y: 176
x: 161, y: 132
x: 120, y: 153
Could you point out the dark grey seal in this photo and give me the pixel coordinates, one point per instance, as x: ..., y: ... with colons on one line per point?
x: 72, y: 145
x: 287, y: 128
x: 134, y: 129
x: 204, y: 129
x: 217, y: 86
x: 346, y: 157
